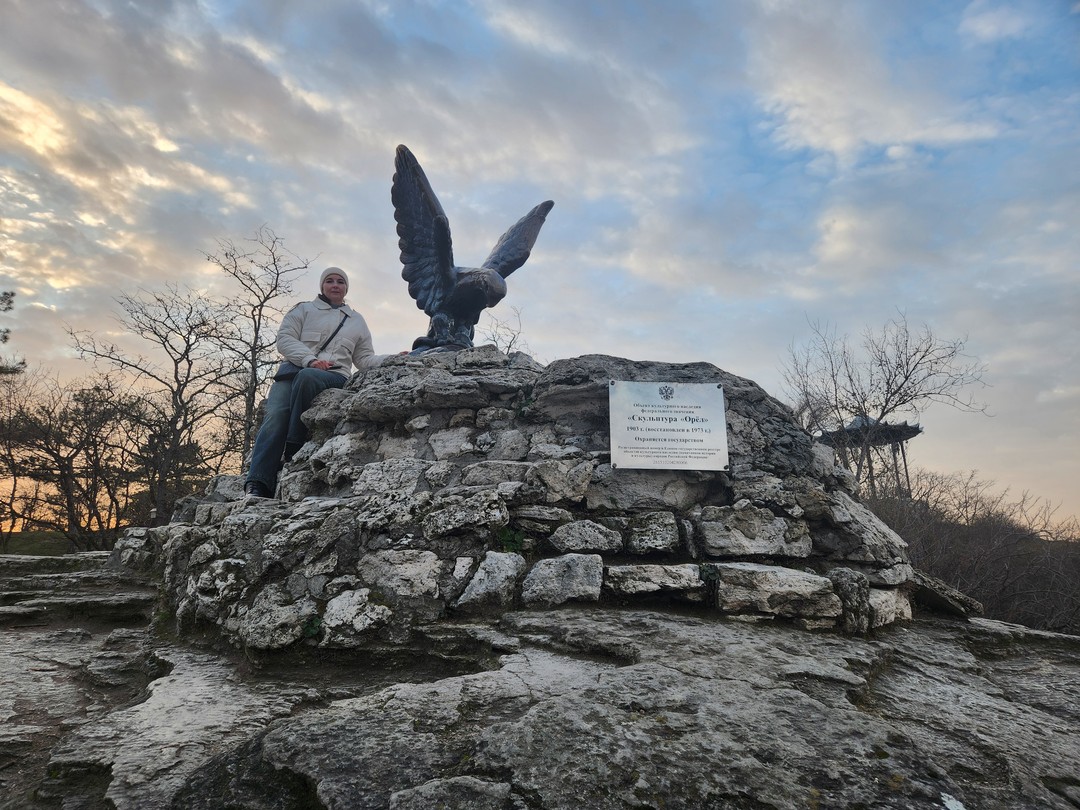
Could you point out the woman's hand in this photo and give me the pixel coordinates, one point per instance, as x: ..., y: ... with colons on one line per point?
x: 325, y: 365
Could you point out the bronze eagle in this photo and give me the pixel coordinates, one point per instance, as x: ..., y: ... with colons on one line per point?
x: 453, y: 297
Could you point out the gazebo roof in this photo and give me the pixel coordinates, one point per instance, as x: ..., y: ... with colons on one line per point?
x: 864, y: 430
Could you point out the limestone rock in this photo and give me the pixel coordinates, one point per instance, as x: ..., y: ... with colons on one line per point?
x: 654, y: 532
x: 427, y: 461
x: 939, y: 596
x: 888, y: 605
x: 744, y: 530
x: 494, y: 585
x: 585, y: 536
x: 275, y: 619
x: 400, y: 475
x: 853, y: 589
x: 635, y: 490
x: 561, y: 479
x: 454, y: 514
x: 631, y: 580
x: 770, y: 589
x: 150, y: 749
x: 577, y: 706
x: 561, y: 579
x: 402, y: 573
x: 850, y: 531
x: 350, y: 616
x: 459, y: 791
x: 646, y: 709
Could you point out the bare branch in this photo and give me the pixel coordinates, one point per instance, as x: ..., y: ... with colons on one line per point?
x: 892, y: 372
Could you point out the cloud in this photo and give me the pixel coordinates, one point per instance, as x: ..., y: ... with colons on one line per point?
x: 990, y: 22
x: 827, y: 78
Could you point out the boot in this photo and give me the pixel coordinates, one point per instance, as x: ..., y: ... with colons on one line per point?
x: 258, y: 489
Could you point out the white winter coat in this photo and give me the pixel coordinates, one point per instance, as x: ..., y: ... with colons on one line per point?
x: 307, y: 325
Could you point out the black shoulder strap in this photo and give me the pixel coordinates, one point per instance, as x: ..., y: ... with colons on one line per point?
x: 326, y: 342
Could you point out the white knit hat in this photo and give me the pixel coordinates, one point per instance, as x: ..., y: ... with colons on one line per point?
x: 330, y: 270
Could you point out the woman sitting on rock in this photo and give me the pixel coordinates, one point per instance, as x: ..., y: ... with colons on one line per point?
x: 321, y: 341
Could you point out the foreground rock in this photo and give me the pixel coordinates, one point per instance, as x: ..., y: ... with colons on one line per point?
x: 473, y: 483
x: 53, y: 681
x: 618, y: 709
x: 578, y: 707
x: 139, y: 756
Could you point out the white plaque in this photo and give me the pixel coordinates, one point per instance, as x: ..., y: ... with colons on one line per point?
x: 667, y: 426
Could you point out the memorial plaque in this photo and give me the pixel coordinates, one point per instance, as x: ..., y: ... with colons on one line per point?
x: 667, y: 426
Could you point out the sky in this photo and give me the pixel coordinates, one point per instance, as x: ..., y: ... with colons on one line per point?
x: 725, y: 173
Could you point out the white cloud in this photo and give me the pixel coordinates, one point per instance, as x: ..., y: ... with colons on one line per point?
x: 991, y: 22
x: 824, y: 75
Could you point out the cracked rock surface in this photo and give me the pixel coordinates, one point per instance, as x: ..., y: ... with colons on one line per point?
x: 616, y: 709
x: 580, y: 706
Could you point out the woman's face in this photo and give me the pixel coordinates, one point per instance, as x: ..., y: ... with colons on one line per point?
x: 334, y: 288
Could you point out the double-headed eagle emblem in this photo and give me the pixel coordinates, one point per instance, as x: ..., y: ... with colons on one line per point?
x: 453, y: 297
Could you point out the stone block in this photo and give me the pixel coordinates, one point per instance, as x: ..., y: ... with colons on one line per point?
x: 483, y: 512
x: 336, y: 458
x: 561, y: 479
x: 392, y: 475
x: 633, y: 580
x: 770, y: 589
x: 490, y: 473
x: 540, y: 513
x: 498, y: 418
x: 653, y: 532
x: 847, y: 530
x: 451, y: 443
x: 888, y: 605
x: 512, y: 445
x: 853, y: 588
x: 494, y: 585
x: 635, y: 490
x: 746, y: 530
x: 350, y: 617
x: 571, y: 577
x: 405, y: 573
x: 274, y: 620
x: 586, y: 536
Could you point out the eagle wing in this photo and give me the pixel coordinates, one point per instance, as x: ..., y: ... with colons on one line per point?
x: 514, y: 246
x: 427, y: 256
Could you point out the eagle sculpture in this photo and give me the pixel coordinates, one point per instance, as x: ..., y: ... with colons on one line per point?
x: 453, y: 297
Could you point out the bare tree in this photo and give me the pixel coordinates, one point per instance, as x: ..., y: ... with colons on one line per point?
x: 205, y: 363
x: 264, y: 270
x: 187, y: 380
x: 68, y: 453
x: 13, y: 401
x: 894, y: 371
x: 505, y: 335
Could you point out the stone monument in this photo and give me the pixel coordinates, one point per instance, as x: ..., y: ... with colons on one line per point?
x: 472, y: 483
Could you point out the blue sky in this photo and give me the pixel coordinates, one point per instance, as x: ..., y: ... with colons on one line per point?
x: 723, y: 174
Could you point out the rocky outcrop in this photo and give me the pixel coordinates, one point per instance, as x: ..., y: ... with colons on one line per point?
x: 580, y: 706
x: 597, y: 708
x: 421, y: 470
